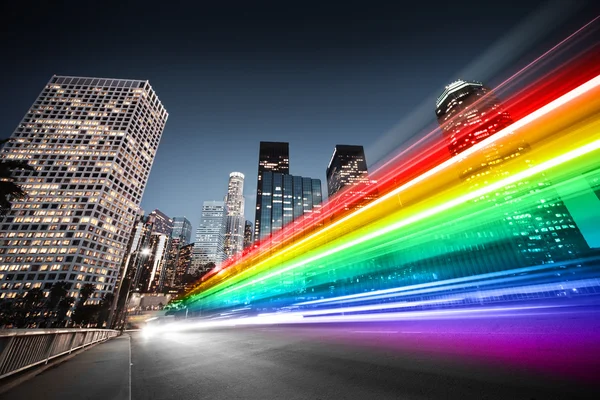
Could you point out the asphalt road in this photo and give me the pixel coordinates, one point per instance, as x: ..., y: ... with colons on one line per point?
x: 526, y: 357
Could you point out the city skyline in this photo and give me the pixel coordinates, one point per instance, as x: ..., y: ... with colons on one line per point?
x: 355, y: 88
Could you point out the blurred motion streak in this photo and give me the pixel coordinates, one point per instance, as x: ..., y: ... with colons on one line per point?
x: 497, y: 211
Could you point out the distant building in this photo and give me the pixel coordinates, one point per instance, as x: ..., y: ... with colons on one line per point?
x: 208, y: 247
x: 468, y: 112
x: 146, y: 260
x: 284, y: 199
x: 91, y: 142
x: 178, y: 264
x: 347, y: 167
x: 247, y: 234
x: 182, y: 229
x: 184, y: 262
x: 347, y: 172
x: 234, y: 220
x: 161, y: 223
x: 272, y: 157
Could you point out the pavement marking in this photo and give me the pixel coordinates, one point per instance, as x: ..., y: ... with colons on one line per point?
x: 374, y: 331
x: 130, y: 364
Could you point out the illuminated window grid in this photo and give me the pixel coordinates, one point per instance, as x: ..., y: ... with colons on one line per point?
x: 92, y: 142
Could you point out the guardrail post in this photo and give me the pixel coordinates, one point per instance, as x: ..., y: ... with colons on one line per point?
x: 51, y: 347
x: 6, y: 351
x: 72, y: 340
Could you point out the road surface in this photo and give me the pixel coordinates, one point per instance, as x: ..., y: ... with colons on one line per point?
x: 528, y: 357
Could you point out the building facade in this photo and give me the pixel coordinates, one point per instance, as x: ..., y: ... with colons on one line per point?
x: 208, y: 247
x: 247, y: 234
x: 149, y: 253
x: 286, y: 198
x: 233, y: 244
x: 182, y: 229
x: 540, y: 233
x: 178, y: 264
x: 468, y: 113
x: 182, y: 267
x: 347, y: 167
x: 348, y: 177
x: 91, y: 142
x: 272, y: 157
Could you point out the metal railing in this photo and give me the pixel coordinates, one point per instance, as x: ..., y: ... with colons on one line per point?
x: 24, y: 348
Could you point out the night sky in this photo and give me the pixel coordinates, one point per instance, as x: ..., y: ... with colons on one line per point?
x: 312, y: 74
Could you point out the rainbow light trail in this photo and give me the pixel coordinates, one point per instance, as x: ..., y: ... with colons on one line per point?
x: 514, y: 217
x: 563, y: 138
x: 508, y: 228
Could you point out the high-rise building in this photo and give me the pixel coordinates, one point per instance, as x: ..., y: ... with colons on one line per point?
x: 234, y: 220
x: 272, y: 157
x: 91, y: 142
x: 175, y: 245
x: 161, y: 223
x: 182, y: 229
x: 178, y: 264
x: 208, y: 247
x: 247, y: 234
x: 180, y: 236
x: 468, y: 112
x: 152, y: 251
x: 286, y: 198
x: 347, y: 167
x: 541, y: 233
x: 347, y: 172
x: 184, y: 261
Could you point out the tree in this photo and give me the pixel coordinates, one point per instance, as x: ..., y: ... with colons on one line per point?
x: 57, y: 301
x: 104, y: 309
x: 35, y: 307
x: 63, y: 307
x: 9, y: 190
x: 7, y: 312
x: 86, y: 291
x: 85, y: 314
x: 57, y: 293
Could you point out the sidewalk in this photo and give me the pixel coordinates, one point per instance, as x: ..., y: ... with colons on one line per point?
x: 103, y: 372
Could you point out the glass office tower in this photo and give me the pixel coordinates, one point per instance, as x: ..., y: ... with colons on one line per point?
x: 208, y: 247
x: 286, y: 198
x: 272, y: 157
x: 182, y: 229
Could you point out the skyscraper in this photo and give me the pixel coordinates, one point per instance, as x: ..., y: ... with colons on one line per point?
x: 347, y: 167
x: 234, y: 221
x: 468, y: 112
x: 178, y: 264
x: 247, y: 234
x: 347, y: 172
x: 273, y: 157
x: 208, y: 247
x: 182, y: 229
x: 540, y: 233
x: 152, y: 252
x: 286, y: 198
x: 183, y: 264
x: 92, y: 143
